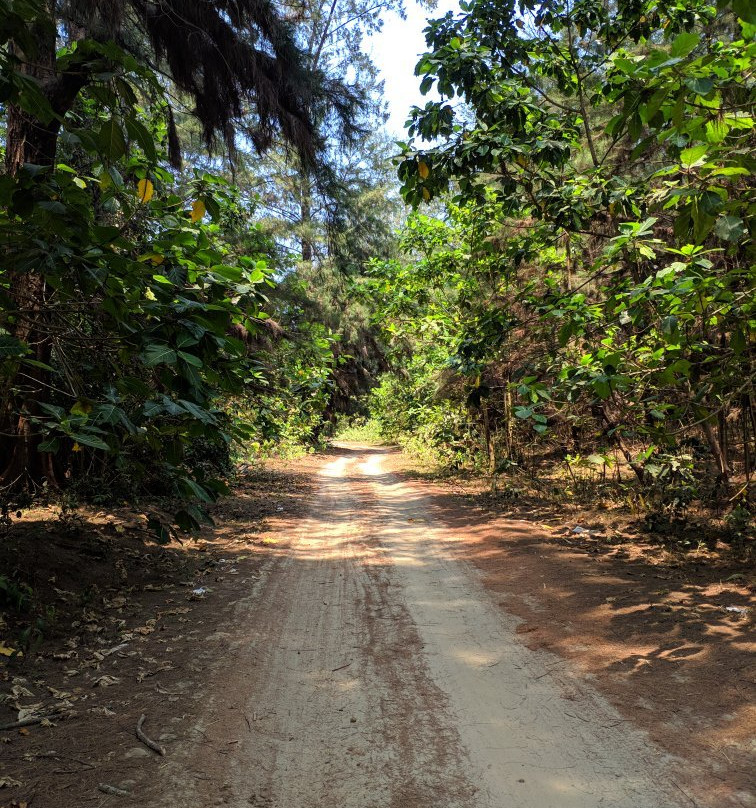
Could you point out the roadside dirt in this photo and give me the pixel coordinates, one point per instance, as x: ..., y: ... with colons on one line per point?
x: 345, y: 652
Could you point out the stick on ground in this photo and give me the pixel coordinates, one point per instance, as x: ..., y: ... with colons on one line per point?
x: 145, y: 740
x: 118, y: 792
x: 25, y: 722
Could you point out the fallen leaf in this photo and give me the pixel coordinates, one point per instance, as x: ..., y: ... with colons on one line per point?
x: 105, y: 681
x: 101, y: 711
x: 30, y: 711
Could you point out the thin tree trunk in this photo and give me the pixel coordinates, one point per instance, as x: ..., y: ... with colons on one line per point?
x: 508, y: 424
x: 490, y: 447
x: 746, y: 440
x: 305, y: 216
x: 716, y: 450
x: 620, y: 444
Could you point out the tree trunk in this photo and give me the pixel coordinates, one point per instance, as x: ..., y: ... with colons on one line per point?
x: 305, y: 217
x: 30, y: 140
x: 716, y: 450
x: 508, y: 422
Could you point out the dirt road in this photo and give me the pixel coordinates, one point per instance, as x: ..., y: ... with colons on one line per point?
x: 369, y: 668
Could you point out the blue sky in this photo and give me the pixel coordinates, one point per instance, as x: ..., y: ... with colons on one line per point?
x: 395, y: 51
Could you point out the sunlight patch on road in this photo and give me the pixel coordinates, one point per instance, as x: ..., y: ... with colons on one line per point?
x: 372, y: 466
x: 477, y: 658
x: 335, y: 468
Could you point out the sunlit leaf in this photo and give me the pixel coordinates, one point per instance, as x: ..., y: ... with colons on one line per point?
x: 145, y: 190
x: 198, y: 210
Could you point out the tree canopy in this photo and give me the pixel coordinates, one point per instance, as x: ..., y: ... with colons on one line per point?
x: 205, y: 254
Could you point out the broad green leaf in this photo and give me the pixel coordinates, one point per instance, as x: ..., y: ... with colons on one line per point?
x: 730, y: 228
x: 10, y: 346
x: 49, y: 445
x: 111, y: 140
x: 90, y: 440
x: 693, y: 156
x: 190, y: 359
x: 159, y: 355
x: 745, y: 10
x: 684, y: 43
x: 81, y: 408
x: 716, y: 131
x: 227, y: 272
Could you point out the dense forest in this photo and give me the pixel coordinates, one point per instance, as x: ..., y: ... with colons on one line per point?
x: 213, y: 252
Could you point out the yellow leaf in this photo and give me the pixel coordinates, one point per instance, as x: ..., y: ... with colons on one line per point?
x: 81, y: 408
x: 426, y: 194
x: 145, y: 189
x: 198, y: 210
x: 423, y: 170
x: 155, y: 258
x: 7, y: 651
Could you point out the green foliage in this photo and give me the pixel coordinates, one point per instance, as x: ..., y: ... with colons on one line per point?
x: 358, y: 429
x: 406, y: 410
x: 158, y: 297
x: 285, y: 412
x: 16, y: 596
x: 593, y: 276
x: 125, y: 306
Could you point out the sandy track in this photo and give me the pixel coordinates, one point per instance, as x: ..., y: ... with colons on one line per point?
x: 370, y: 669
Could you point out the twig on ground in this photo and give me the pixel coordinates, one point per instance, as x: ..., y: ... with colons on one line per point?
x: 549, y: 669
x: 684, y: 793
x: 580, y: 717
x: 25, y: 722
x: 145, y: 740
x: 341, y: 667
x: 56, y: 756
x: 118, y: 792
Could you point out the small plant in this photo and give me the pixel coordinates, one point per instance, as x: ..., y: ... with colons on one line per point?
x: 34, y: 634
x: 16, y: 596
x: 740, y: 521
x: 33, y: 623
x: 672, y: 483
